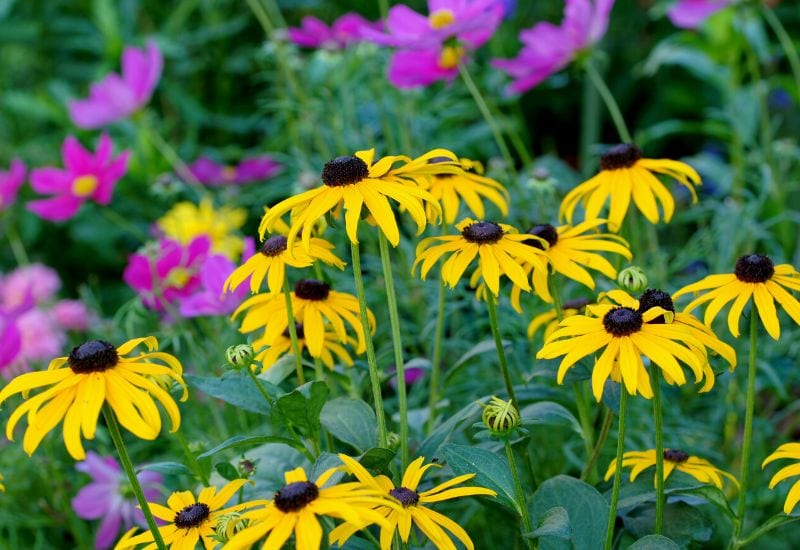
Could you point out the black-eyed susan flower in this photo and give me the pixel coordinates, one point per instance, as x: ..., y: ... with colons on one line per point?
x: 296, y: 506
x: 625, y: 175
x: 190, y: 520
x: 787, y: 450
x: 412, y: 510
x: 360, y: 181
x: 755, y: 276
x: 95, y: 373
x: 187, y: 220
x: 549, y: 319
x: 332, y: 349
x: 470, y: 185
x: 699, y: 468
x: 499, y: 248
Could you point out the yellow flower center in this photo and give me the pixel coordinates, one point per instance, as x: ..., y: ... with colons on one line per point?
x: 441, y: 18
x: 177, y: 278
x: 83, y: 186
x: 450, y: 56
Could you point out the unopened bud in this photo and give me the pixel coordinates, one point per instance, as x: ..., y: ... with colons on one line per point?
x: 632, y: 279
x: 240, y: 356
x: 500, y: 417
x: 393, y: 441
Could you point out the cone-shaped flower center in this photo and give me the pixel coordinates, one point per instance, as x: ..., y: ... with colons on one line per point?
x: 543, y: 231
x: 85, y: 185
x: 656, y: 298
x: 92, y: 356
x: 754, y: 268
x: 623, y: 155
x: 344, y: 171
x: 298, y: 329
x: 674, y: 455
x: 274, y: 245
x: 295, y: 496
x: 576, y: 303
x: 441, y: 18
x: 311, y: 289
x: 407, y: 497
x: 622, y: 321
x: 450, y: 56
x: 192, y: 516
x: 482, y: 232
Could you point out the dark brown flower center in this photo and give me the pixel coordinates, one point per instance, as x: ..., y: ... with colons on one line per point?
x: 407, y: 497
x: 674, y: 455
x: 622, y: 321
x: 543, y: 231
x: 656, y: 298
x: 623, y: 155
x: 295, y: 496
x: 344, y: 171
x: 311, y: 289
x: 754, y: 268
x: 192, y: 516
x: 298, y: 330
x: 274, y: 245
x: 92, y: 356
x: 576, y: 303
x: 482, y: 232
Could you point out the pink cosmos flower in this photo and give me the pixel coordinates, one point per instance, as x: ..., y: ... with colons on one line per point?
x: 108, y: 497
x: 11, y: 339
x: 250, y: 170
x: 548, y: 48
x: 690, y: 14
x: 10, y: 182
x: 71, y: 315
x: 42, y: 337
x: 116, y: 97
x: 314, y: 33
x: 36, y: 283
x: 88, y: 176
x: 169, y: 274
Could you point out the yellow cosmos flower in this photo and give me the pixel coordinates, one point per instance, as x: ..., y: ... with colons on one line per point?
x: 500, y: 250
x: 624, y: 175
x: 95, y: 373
x: 699, y: 468
x: 187, y: 220
x: 313, y: 302
x: 283, y: 344
x: 549, y: 319
x: 470, y: 185
x: 189, y: 520
x: 295, y: 508
x: 787, y: 450
x: 360, y: 181
x: 437, y: 527
x: 754, y: 276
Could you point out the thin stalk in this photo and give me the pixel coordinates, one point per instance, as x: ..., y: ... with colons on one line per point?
x: 764, y: 529
x: 171, y: 156
x: 655, y: 381
x: 319, y: 372
x: 786, y: 43
x: 298, y: 358
x: 608, y: 418
x: 261, y: 389
x: 519, y: 493
x: 501, y: 353
x: 384, y: 8
x: 374, y: 375
x: 194, y: 465
x: 127, y: 465
x: 610, y: 102
x: 612, y: 512
x: 17, y: 248
x: 436, y: 364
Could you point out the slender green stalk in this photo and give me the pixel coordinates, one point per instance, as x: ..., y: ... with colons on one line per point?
x: 261, y: 389
x: 612, y: 512
x: 762, y: 530
x: 384, y: 8
x: 501, y: 353
x: 319, y: 370
x: 519, y: 493
x: 655, y: 381
x: 127, y: 465
x: 298, y: 357
x: 194, y: 465
x: 436, y: 363
x: 17, y: 248
x: 608, y: 418
x: 372, y: 363
x: 170, y: 155
x: 786, y: 43
x: 610, y: 102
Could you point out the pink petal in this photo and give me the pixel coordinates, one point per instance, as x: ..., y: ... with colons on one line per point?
x: 108, y: 530
x: 51, y: 180
x: 690, y: 14
x: 56, y: 209
x: 109, y: 178
x: 76, y: 158
x: 141, y: 71
x: 415, y: 68
x: 92, y: 501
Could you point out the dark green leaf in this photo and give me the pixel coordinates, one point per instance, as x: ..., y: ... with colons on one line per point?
x: 244, y: 441
x: 430, y: 447
x: 554, y: 523
x: 491, y: 470
x: 708, y: 493
x: 226, y: 470
x: 654, y: 542
x: 682, y: 523
x: 301, y: 408
x: 168, y: 468
x: 350, y: 420
x: 549, y: 413
x: 236, y: 389
x: 377, y: 459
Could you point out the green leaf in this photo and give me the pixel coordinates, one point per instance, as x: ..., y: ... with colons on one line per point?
x: 352, y: 421
x: 549, y: 413
x: 683, y: 523
x: 301, y: 408
x: 554, y: 523
x: 491, y: 471
x: 708, y: 493
x: 654, y: 542
x: 244, y: 441
x: 430, y: 447
x: 236, y: 389
x: 378, y: 459
x: 226, y: 470
x: 168, y: 468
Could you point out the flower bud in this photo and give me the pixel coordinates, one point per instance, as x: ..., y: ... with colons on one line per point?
x: 393, y: 441
x: 228, y: 525
x: 500, y: 417
x: 632, y: 279
x: 240, y: 356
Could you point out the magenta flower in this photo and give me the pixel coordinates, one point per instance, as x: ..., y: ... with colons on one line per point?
x: 116, y: 97
x: 690, y: 14
x: 88, y: 176
x: 169, y: 274
x: 10, y: 182
x: 11, y: 339
x: 71, y: 315
x: 250, y: 170
x: 347, y: 30
x: 548, y: 48
x: 32, y: 284
x: 108, y: 496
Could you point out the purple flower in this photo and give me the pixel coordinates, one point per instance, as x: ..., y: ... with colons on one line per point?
x: 250, y: 170
x: 10, y: 182
x: 116, y: 97
x: 108, y: 496
x: 88, y: 176
x: 347, y: 30
x: 548, y: 48
x: 71, y: 315
x: 11, y: 339
x: 690, y: 14
x: 32, y: 284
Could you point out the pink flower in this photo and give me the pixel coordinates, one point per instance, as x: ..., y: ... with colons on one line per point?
x: 314, y: 33
x: 414, y: 68
x: 11, y: 339
x: 116, y: 97
x: 176, y: 268
x: 36, y: 283
x: 71, y: 315
x: 10, y: 182
x: 87, y: 176
x: 249, y: 170
x: 690, y: 14
x: 548, y: 48
x: 42, y: 337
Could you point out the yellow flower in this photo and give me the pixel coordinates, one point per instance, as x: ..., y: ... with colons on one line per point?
x: 2, y: 487
x: 500, y: 250
x: 754, y: 276
x: 470, y: 185
x: 96, y: 373
x: 624, y: 175
x: 434, y: 525
x: 190, y: 520
x: 187, y: 220
x: 699, y: 468
x: 296, y: 506
x: 313, y: 302
x: 549, y: 319
x: 283, y: 344
x: 787, y: 450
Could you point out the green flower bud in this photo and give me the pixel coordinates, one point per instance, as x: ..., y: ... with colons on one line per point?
x: 393, y: 441
x: 500, y: 417
x: 228, y: 525
x: 632, y: 279
x: 240, y: 356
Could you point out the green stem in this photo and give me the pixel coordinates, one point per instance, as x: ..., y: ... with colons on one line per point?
x: 612, y: 512
x: 261, y: 389
x: 298, y: 358
x: 436, y: 364
x: 786, y: 43
x: 384, y: 8
x: 372, y: 363
x: 598, y: 446
x: 610, y: 102
x: 501, y: 353
x: 655, y: 381
x: 127, y: 465
x: 319, y: 369
x: 519, y: 493
x: 165, y: 150
x: 764, y: 529
x: 17, y: 248
x: 194, y: 465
